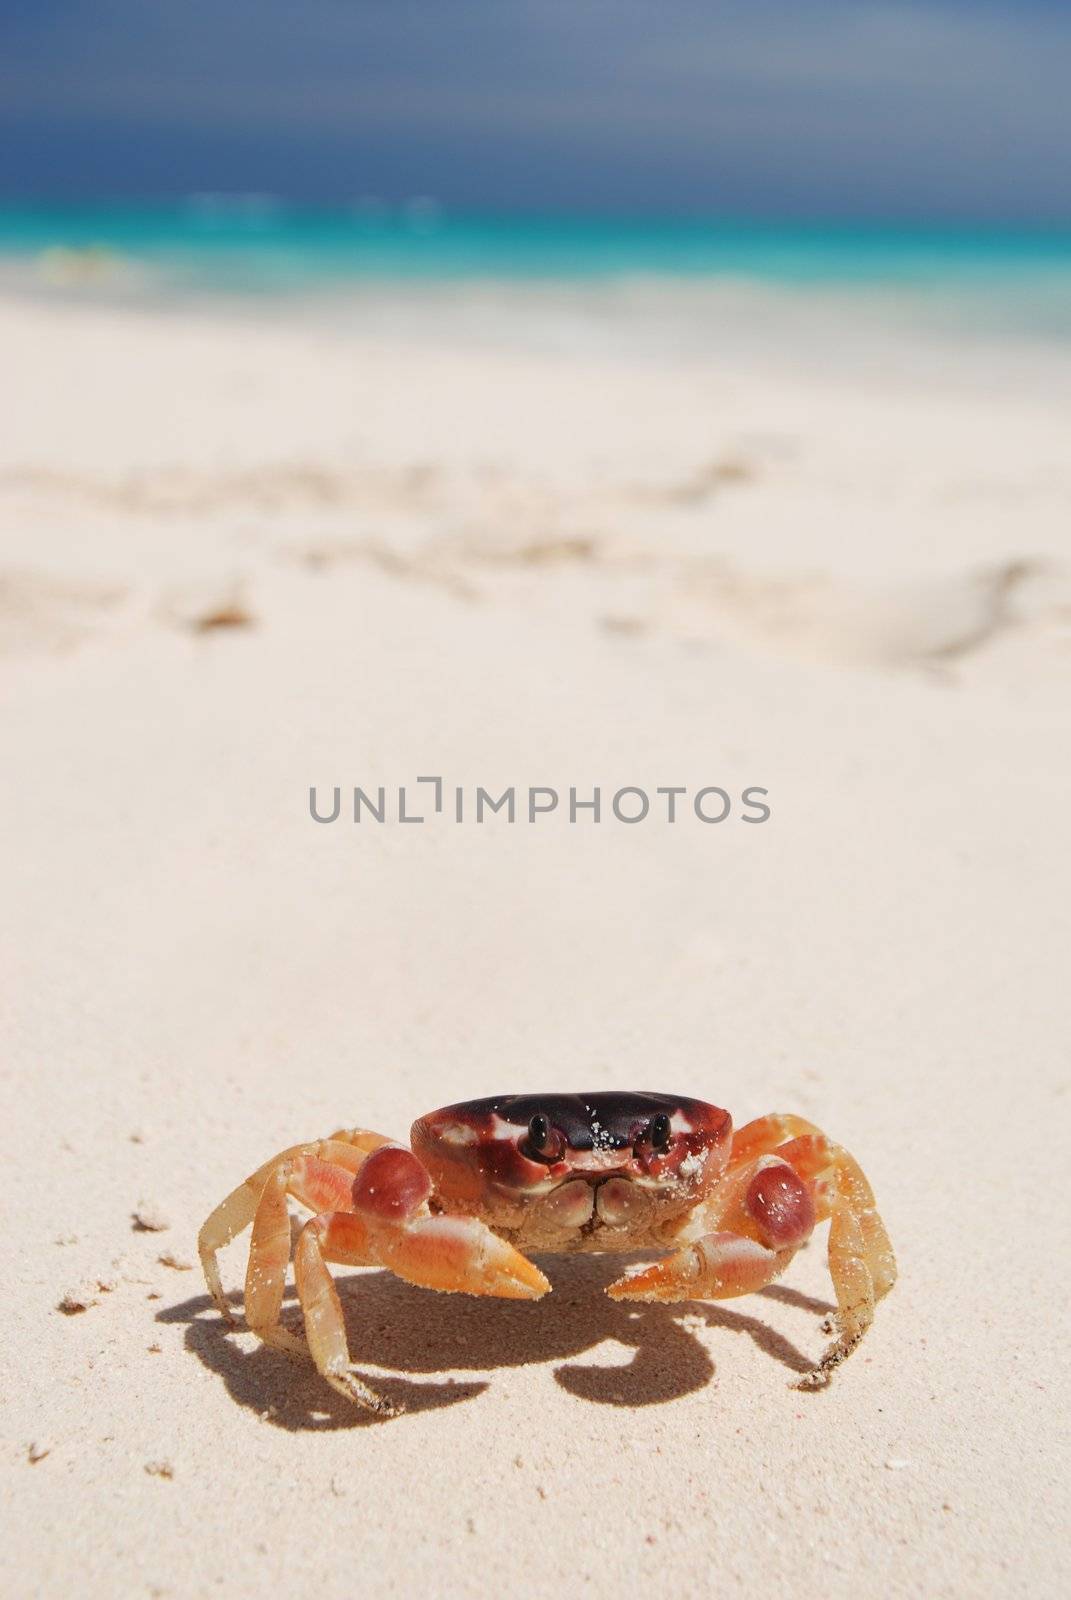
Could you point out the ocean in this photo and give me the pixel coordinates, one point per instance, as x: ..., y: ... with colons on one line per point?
x: 990, y: 282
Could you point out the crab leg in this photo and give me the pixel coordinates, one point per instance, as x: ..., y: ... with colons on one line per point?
x: 853, y: 1284
x: 770, y: 1203
x: 450, y: 1253
x: 837, y: 1183
x: 347, y: 1147
x: 862, y: 1264
x: 458, y: 1255
x: 764, y: 1134
x: 325, y: 1328
x: 719, y: 1266
x: 317, y: 1184
x: 752, y: 1227
x: 390, y: 1227
x: 390, y: 1194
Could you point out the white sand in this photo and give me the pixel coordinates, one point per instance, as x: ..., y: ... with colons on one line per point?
x: 506, y: 565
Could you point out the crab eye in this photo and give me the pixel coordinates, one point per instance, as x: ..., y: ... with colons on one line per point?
x: 543, y: 1142
x: 659, y: 1131
x: 539, y: 1133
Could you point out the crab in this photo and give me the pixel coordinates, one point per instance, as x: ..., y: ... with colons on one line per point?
x: 487, y: 1180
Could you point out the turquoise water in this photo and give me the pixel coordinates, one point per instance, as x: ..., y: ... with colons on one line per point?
x: 262, y: 245
x: 257, y: 247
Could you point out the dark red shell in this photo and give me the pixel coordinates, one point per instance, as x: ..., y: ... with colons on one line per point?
x: 479, y: 1143
x: 609, y: 1119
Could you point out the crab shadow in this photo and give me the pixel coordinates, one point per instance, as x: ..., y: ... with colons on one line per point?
x: 394, y: 1326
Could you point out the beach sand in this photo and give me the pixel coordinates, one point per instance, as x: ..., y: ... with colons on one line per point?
x: 244, y: 555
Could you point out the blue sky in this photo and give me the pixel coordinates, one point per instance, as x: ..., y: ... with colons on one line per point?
x: 915, y: 109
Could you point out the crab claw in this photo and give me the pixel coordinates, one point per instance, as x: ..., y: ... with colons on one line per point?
x: 461, y: 1255
x: 716, y: 1267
